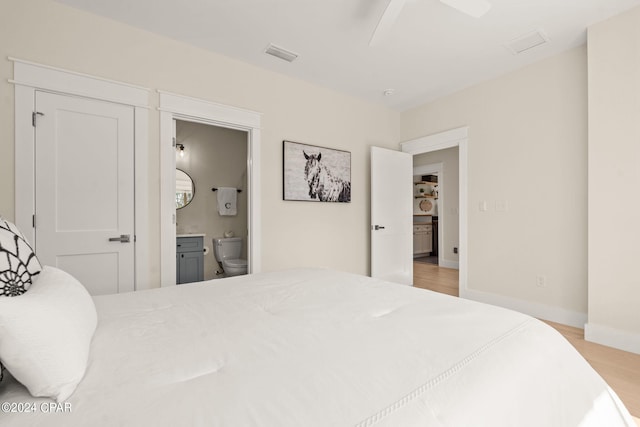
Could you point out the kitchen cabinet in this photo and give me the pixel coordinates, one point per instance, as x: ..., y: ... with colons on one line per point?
x: 422, y: 239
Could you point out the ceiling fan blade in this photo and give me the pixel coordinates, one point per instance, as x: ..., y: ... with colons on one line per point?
x: 387, y: 20
x: 475, y: 8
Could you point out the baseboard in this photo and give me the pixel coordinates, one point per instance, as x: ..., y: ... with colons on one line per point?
x: 449, y: 264
x: 540, y: 311
x: 622, y: 340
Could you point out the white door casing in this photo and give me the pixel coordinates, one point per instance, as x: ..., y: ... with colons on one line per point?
x: 172, y: 107
x: 85, y: 190
x: 391, y: 215
x: 451, y: 138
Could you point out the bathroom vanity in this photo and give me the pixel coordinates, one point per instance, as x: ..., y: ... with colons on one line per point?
x: 189, y: 258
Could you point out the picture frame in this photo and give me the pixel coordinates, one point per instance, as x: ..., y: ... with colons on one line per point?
x: 312, y: 173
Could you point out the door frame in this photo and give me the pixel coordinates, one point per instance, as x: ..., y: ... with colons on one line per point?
x: 29, y: 77
x: 179, y: 107
x: 458, y: 137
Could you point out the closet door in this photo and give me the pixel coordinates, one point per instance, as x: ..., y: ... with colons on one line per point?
x: 84, y: 221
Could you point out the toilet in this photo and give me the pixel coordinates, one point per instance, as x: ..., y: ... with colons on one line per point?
x: 227, y: 251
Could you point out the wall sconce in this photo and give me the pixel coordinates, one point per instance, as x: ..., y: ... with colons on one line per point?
x: 181, y: 148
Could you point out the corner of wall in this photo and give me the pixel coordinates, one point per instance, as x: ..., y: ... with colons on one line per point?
x: 611, y: 337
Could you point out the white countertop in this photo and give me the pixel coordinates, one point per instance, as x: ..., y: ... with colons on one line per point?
x: 191, y: 235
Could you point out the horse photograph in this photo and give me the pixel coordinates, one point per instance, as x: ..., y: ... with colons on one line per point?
x: 316, y: 174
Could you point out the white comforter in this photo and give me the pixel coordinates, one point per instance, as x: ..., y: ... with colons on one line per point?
x: 311, y: 348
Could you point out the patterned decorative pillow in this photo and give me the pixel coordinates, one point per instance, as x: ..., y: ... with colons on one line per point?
x: 18, y: 263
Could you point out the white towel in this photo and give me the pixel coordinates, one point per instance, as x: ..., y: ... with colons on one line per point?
x: 227, y: 201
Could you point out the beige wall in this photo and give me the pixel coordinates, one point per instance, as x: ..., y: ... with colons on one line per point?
x: 527, y: 148
x: 448, y: 213
x: 214, y: 157
x: 614, y: 180
x: 294, y: 234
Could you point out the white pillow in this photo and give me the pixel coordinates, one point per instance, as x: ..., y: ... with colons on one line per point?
x: 46, y: 332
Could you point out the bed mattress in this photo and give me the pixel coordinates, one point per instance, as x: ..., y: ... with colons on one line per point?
x: 322, y: 348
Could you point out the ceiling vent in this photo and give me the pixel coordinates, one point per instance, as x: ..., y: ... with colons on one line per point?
x: 281, y: 53
x: 527, y: 41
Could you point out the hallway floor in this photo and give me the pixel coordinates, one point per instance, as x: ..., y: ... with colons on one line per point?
x: 435, y: 278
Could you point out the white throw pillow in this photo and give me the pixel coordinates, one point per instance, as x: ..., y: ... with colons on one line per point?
x: 45, y: 334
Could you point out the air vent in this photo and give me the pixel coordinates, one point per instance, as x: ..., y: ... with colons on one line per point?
x: 281, y: 53
x: 527, y: 41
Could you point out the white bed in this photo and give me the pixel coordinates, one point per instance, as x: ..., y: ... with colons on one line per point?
x: 322, y: 348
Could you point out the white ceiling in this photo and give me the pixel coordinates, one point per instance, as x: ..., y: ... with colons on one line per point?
x: 432, y: 50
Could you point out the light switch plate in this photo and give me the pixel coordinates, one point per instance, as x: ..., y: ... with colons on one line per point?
x: 502, y: 205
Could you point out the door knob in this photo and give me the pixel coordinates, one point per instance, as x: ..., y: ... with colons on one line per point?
x: 378, y: 227
x: 124, y: 238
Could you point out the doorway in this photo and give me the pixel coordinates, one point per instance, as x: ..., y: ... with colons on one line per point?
x: 443, y: 166
x: 177, y: 107
x: 433, y: 143
x: 428, y: 181
x: 209, y: 157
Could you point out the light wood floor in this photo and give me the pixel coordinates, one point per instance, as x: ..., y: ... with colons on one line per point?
x: 434, y: 278
x: 619, y: 368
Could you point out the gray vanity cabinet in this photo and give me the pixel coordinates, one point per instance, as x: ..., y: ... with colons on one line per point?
x: 189, y: 259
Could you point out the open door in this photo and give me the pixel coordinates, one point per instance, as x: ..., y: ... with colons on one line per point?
x: 391, y: 215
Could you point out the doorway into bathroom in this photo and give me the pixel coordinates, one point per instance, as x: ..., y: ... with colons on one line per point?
x: 210, y: 158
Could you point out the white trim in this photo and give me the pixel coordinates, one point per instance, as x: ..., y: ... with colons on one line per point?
x: 433, y: 168
x: 141, y: 201
x: 44, y: 77
x: 540, y: 311
x: 203, y: 109
x: 25, y: 154
x: 75, y: 73
x: 452, y: 138
x: 438, y: 141
x: 177, y: 107
x: 30, y: 77
x: 617, y: 338
x: 167, y: 204
x: 463, y: 207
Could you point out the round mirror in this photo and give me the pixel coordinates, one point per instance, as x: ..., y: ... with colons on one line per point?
x: 185, y: 189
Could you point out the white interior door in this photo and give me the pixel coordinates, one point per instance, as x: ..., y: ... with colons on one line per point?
x: 391, y: 215
x: 84, y: 220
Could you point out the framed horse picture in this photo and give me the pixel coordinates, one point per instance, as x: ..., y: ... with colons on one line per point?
x: 315, y: 174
